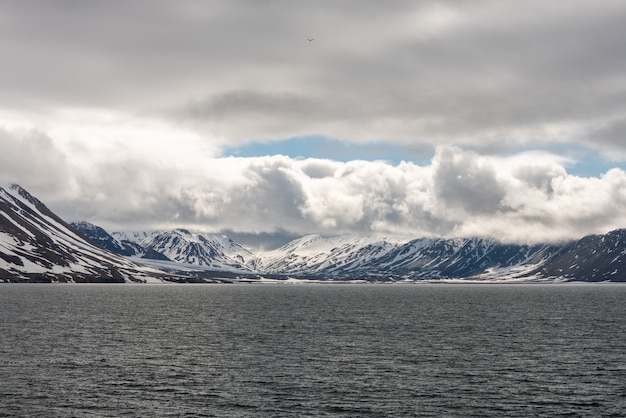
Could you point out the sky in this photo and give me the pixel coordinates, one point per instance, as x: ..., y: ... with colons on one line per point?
x: 407, y: 118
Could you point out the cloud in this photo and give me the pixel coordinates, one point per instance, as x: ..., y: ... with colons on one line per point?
x: 524, y: 197
x: 118, y: 112
x: 611, y: 137
x: 464, y: 181
x: 32, y: 158
x: 480, y: 73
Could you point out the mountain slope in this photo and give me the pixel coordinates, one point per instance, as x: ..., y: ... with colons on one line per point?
x: 424, y: 258
x: 120, y: 246
x: 102, y: 238
x: 463, y: 258
x: 315, y: 254
x: 217, y: 252
x: 37, y: 246
x: 593, y: 258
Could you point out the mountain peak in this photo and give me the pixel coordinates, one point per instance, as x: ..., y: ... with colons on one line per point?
x: 36, y: 245
x: 212, y: 251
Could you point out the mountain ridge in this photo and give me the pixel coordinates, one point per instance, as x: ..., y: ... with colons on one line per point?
x: 37, y: 245
x: 379, y: 258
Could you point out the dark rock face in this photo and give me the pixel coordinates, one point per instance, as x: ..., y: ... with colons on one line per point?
x: 594, y: 258
x: 124, y: 247
x: 152, y: 254
x: 102, y: 238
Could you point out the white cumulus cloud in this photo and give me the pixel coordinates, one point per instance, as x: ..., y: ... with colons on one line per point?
x: 526, y: 197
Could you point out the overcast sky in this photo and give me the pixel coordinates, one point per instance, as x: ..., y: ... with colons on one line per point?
x: 504, y: 119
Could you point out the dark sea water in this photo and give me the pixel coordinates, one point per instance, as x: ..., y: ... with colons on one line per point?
x: 312, y: 350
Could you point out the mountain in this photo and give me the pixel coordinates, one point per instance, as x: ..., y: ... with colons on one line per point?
x: 593, y: 258
x: 376, y: 258
x: 315, y: 255
x: 118, y: 243
x: 37, y: 246
x: 215, y: 252
x: 465, y: 258
x: 424, y: 258
x: 102, y: 238
x: 134, y: 236
x: 189, y: 252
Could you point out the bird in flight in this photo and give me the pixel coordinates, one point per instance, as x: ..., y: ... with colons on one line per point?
x: 310, y: 39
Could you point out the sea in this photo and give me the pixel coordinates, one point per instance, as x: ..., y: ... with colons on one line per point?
x: 313, y: 350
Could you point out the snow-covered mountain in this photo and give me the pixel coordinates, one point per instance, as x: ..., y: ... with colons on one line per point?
x: 38, y: 246
x: 118, y: 243
x: 464, y: 258
x: 216, y: 252
x: 104, y: 239
x: 425, y: 258
x: 593, y: 258
x: 376, y: 258
x: 131, y: 236
x: 315, y: 254
x: 187, y: 251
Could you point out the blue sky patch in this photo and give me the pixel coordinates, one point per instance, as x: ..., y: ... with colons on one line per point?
x: 588, y: 162
x: 332, y: 149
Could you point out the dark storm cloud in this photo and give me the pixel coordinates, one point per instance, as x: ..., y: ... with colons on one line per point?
x: 462, y: 181
x: 31, y: 157
x: 611, y: 135
x: 529, y: 71
x: 244, y: 104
